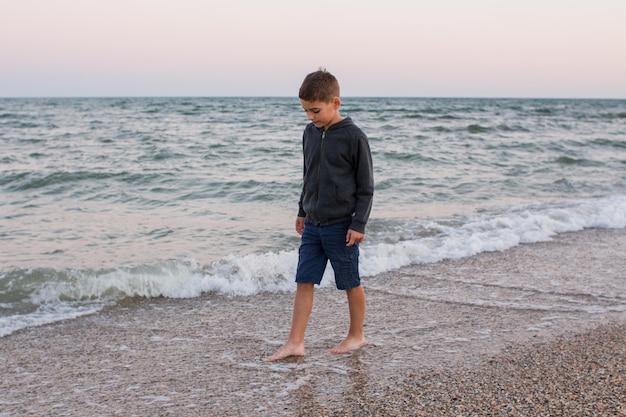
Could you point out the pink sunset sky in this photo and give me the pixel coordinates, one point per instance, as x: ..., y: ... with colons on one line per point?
x: 436, y: 48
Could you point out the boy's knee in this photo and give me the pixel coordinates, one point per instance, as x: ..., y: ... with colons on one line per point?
x: 305, y: 286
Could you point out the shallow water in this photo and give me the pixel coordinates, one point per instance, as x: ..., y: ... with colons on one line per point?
x: 205, y: 355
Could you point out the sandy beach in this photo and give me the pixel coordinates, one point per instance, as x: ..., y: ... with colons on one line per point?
x: 426, y: 356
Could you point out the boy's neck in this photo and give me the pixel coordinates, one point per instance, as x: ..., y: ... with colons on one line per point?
x: 336, y: 119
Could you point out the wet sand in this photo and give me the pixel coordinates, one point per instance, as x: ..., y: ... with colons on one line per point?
x: 426, y: 356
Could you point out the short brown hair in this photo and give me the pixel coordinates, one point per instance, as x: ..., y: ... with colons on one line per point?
x: 320, y: 85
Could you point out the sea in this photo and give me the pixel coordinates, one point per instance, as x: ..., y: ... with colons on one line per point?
x: 109, y: 199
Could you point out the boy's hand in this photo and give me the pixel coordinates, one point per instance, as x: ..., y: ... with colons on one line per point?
x: 354, y: 237
x: 300, y: 225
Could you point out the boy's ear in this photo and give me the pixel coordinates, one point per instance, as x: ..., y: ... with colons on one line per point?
x: 336, y: 102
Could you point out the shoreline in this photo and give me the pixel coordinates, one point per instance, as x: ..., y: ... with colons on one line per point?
x: 204, y: 356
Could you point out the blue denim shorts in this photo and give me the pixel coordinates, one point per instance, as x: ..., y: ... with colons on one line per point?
x: 323, y: 243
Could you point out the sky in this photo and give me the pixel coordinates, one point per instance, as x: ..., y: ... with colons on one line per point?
x: 414, y: 48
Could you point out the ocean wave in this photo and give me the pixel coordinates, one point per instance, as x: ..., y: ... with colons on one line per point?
x: 475, y: 128
x: 566, y: 160
x: 17, y: 124
x: 609, y: 143
x: 494, y: 232
x: 30, y: 181
x: 512, y: 128
x: 66, y: 293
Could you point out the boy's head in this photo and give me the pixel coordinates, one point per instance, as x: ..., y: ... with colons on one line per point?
x: 319, y: 95
x: 320, y: 85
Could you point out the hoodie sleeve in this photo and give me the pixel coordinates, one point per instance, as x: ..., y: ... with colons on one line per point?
x: 301, y: 212
x: 364, y: 173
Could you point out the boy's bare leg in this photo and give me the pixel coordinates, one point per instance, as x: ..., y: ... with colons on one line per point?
x: 302, y: 306
x: 356, y: 337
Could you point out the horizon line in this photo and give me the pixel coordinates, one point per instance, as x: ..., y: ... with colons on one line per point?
x: 295, y: 97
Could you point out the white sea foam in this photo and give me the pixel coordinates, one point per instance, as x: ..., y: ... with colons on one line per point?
x: 45, y: 314
x: 250, y: 274
x: 523, y: 224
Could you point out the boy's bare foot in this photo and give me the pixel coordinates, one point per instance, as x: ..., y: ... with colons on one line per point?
x: 286, y: 351
x: 348, y: 345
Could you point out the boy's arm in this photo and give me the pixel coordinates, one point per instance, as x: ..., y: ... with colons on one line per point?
x: 365, y: 187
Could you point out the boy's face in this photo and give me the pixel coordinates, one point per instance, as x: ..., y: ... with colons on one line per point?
x: 322, y: 114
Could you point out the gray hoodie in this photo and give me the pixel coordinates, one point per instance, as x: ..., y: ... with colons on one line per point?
x: 338, y: 175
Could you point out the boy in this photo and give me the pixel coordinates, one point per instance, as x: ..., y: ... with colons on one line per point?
x: 335, y: 204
